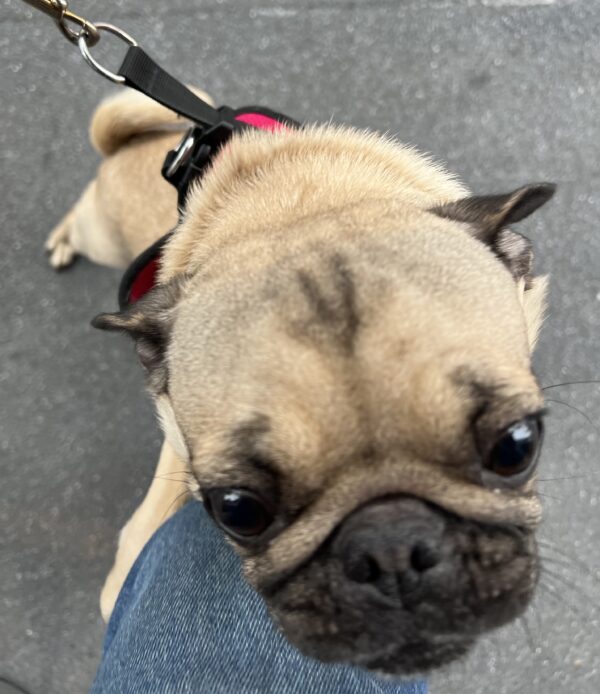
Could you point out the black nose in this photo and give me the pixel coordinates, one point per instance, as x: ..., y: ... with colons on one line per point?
x: 391, y: 545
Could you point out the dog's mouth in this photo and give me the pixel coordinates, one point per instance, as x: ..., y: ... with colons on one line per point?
x: 404, y: 612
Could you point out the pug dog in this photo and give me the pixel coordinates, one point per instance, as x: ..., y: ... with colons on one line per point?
x: 339, y: 349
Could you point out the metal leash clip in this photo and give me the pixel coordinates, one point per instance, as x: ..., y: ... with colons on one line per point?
x: 86, y: 37
x: 137, y: 69
x: 58, y: 10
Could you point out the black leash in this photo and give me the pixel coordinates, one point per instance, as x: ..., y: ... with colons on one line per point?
x: 211, y: 129
x: 213, y: 126
x: 145, y: 75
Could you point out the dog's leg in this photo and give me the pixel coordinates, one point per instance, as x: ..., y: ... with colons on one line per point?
x: 59, y: 245
x: 129, y: 205
x: 87, y: 230
x: 168, y: 493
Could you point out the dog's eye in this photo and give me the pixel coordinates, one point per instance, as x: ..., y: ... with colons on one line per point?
x: 516, y: 451
x: 239, y: 512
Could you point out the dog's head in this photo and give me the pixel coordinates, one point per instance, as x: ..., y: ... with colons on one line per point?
x: 355, y: 397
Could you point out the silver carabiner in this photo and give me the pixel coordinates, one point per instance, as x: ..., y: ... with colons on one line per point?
x: 84, y: 47
x: 59, y: 11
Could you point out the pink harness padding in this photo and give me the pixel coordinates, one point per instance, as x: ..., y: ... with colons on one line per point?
x: 261, y: 122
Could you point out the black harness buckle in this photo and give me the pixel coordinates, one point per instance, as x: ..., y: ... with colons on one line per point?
x: 192, y: 156
x: 185, y: 164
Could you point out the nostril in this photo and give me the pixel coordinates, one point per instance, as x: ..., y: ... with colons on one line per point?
x: 423, y: 557
x: 363, y: 569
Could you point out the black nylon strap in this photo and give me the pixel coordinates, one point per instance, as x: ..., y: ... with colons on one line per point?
x: 143, y: 74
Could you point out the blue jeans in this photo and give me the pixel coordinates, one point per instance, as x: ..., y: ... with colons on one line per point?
x: 186, y: 621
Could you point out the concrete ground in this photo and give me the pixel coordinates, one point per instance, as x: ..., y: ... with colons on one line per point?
x: 505, y: 91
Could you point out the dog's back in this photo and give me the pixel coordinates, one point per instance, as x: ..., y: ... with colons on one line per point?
x: 111, y: 223
x: 127, y: 114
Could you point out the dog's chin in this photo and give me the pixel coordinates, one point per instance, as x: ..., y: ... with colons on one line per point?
x: 397, y: 661
x: 416, y: 659
x: 396, y: 642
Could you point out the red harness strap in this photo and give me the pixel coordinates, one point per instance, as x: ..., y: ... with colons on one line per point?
x: 144, y: 280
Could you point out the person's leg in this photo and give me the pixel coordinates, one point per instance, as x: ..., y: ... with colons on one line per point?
x: 167, y: 493
x: 186, y: 621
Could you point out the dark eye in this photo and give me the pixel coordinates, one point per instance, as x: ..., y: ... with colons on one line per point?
x: 515, y: 452
x: 239, y: 512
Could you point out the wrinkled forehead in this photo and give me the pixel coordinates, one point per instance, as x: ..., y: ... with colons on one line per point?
x: 329, y: 338
x: 427, y: 277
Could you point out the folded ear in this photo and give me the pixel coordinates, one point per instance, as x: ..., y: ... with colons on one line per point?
x: 489, y: 215
x: 148, y: 321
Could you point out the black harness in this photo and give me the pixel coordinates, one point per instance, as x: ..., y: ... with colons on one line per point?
x: 188, y: 162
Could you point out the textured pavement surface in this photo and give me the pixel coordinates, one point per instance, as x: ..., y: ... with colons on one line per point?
x: 504, y: 91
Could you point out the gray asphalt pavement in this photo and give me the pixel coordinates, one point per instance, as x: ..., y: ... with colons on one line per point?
x: 504, y: 91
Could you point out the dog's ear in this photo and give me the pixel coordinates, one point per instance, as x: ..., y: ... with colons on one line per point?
x: 489, y: 215
x: 148, y: 322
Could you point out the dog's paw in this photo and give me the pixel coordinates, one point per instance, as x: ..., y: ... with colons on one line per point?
x: 58, y: 246
x: 110, y: 592
x: 132, y: 539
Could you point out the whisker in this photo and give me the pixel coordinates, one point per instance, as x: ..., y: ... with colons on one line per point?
x: 536, y: 615
x: 566, y: 583
x: 175, y: 500
x: 549, y: 496
x: 528, y: 636
x: 559, y: 599
x: 169, y: 478
x: 147, y: 476
x: 555, y: 560
x: 570, y: 383
x: 553, y: 547
x: 575, y: 409
x: 566, y: 563
x: 560, y: 479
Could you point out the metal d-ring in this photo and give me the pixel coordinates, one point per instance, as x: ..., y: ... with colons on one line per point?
x: 183, y: 151
x: 84, y: 47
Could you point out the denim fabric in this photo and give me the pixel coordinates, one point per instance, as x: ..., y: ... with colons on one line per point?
x: 186, y: 621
